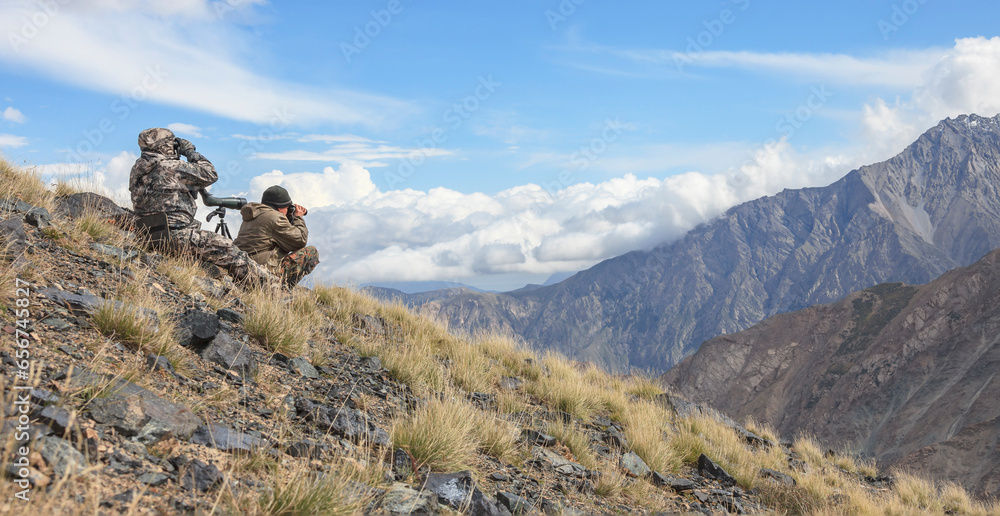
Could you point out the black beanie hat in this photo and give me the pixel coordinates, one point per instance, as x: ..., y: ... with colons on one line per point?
x: 276, y: 197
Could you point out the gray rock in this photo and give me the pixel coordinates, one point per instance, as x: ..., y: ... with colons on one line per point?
x: 452, y: 489
x: 114, y: 252
x: 61, y: 456
x: 57, y: 418
x: 369, y: 324
x: 558, y: 463
x: 38, y: 217
x: 225, y: 438
x: 308, y: 449
x: 402, y: 464
x: 615, y: 438
x: 9, y: 204
x: 634, y: 466
x: 400, y: 499
x: 77, y: 204
x: 371, y: 364
x: 776, y: 476
x: 230, y: 315
x: 135, y: 411
x: 153, y: 479
x: 44, y: 397
x: 13, y: 238
x: 709, y: 469
x: 509, y: 383
x: 354, y: 425
x: 230, y: 354
x: 83, y: 303
x: 210, y: 287
x: 459, y: 491
x: 535, y: 437
x: 158, y: 363
x: 514, y: 503
x: 679, y: 485
x: 125, y: 413
x: 351, y: 424
x: 301, y: 366
x: 199, y: 476
x: 196, y: 329
x: 56, y: 323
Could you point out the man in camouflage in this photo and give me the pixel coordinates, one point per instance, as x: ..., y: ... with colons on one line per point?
x: 160, y: 182
x: 274, y: 234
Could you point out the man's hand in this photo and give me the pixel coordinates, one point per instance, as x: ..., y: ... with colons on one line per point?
x: 300, y: 210
x: 184, y: 147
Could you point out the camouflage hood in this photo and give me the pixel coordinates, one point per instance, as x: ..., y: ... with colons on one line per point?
x: 158, y: 141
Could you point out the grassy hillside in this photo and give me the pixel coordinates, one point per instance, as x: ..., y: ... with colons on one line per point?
x: 554, y: 432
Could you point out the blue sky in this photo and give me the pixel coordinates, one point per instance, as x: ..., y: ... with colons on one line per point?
x: 492, y: 143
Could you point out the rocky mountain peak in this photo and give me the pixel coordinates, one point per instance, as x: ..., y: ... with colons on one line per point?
x: 932, y: 208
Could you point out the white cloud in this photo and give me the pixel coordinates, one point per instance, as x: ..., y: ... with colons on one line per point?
x: 897, y: 68
x: 335, y: 138
x: 966, y: 80
x: 10, y: 140
x: 183, y: 129
x: 176, y: 53
x: 366, y: 152
x: 367, y: 235
x: 331, y: 187
x: 14, y: 115
x: 110, y: 179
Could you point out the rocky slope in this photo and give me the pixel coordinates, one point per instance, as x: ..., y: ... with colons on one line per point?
x: 214, y: 419
x: 908, y: 375
x: 933, y: 207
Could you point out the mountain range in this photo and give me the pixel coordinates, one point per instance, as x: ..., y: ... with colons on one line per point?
x: 933, y: 207
x: 907, y: 375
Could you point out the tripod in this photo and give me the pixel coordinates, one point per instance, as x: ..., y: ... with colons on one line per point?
x: 220, y: 228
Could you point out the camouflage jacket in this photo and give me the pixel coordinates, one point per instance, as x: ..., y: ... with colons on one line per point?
x: 161, y: 182
x: 267, y: 235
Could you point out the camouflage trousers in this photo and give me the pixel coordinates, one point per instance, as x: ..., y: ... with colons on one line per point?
x: 217, y: 249
x: 297, y: 265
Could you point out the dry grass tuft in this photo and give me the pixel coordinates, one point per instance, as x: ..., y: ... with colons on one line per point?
x: 611, y: 483
x: 497, y: 437
x: 25, y: 185
x: 276, y: 323
x: 440, y: 435
x: 301, y: 491
x: 577, y: 441
x: 470, y: 368
x: 644, y: 387
x: 183, y: 272
x: 645, y: 429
